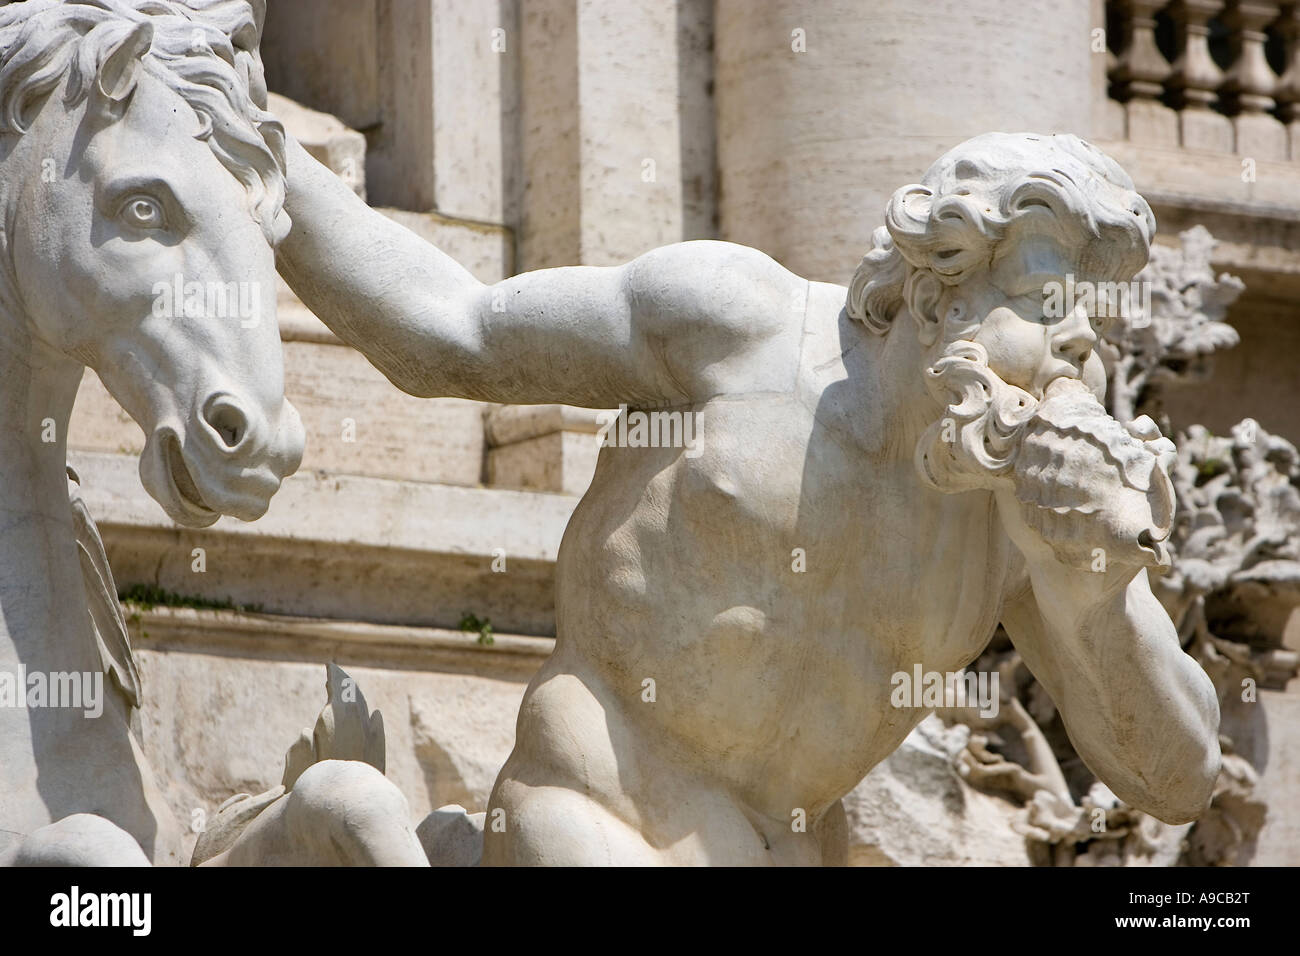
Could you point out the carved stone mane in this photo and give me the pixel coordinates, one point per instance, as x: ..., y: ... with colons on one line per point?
x: 204, y: 51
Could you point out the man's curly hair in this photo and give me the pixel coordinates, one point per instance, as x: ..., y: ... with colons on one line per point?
x: 974, y: 206
x: 952, y: 223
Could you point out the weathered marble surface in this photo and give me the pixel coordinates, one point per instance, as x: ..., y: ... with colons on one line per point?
x: 747, y: 345
x: 726, y: 639
x: 1230, y: 591
x: 136, y: 168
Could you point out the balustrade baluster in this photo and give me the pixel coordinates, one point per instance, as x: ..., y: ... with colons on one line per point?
x: 1141, y: 74
x: 1288, y: 87
x: 1195, y: 79
x: 1251, y: 82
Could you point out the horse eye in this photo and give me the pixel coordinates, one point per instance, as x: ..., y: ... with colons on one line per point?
x: 143, y: 212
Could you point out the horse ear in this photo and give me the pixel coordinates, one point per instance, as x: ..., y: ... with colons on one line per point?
x: 119, y: 65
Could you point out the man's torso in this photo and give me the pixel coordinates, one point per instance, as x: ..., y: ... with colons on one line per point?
x: 740, y: 613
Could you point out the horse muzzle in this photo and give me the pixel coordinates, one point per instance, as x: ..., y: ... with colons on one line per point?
x: 231, y: 462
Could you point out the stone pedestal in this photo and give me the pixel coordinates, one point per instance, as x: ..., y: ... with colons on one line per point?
x: 1260, y: 136
x: 1204, y: 129
x: 1151, y: 123
x: 542, y: 447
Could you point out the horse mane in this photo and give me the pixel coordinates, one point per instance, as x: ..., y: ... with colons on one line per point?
x: 202, y: 50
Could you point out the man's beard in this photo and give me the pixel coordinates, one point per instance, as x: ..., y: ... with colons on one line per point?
x: 1092, y: 488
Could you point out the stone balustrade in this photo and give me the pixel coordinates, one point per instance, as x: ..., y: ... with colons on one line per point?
x: 1208, y: 75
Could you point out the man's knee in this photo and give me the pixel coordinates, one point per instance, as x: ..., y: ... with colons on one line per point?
x: 357, y: 810
x: 347, y: 788
x: 82, y: 839
x: 555, y: 826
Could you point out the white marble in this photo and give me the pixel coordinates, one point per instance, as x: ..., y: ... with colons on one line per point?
x: 876, y: 476
x: 887, y: 471
x: 144, y: 188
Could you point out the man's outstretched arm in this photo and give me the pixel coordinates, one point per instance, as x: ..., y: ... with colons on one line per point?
x: 678, y: 324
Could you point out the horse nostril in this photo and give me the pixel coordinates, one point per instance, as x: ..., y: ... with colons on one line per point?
x: 227, y: 421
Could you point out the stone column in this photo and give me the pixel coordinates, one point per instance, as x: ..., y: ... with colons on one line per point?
x: 431, y: 84
x: 1109, y: 119
x: 616, y: 133
x: 445, y: 70
x: 1288, y: 86
x: 824, y: 109
x: 615, y: 129
x: 325, y: 55
x: 1141, y: 74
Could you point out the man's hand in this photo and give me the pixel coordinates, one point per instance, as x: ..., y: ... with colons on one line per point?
x: 1094, y: 493
x: 1061, y: 582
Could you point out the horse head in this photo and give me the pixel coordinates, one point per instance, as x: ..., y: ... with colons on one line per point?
x: 142, y: 193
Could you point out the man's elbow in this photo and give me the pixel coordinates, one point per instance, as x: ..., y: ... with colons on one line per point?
x: 1187, y: 793
x: 1197, y: 772
x: 430, y: 349
x: 1167, y: 771
x: 1178, y: 785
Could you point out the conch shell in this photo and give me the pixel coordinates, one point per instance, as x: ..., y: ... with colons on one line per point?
x: 1093, y: 488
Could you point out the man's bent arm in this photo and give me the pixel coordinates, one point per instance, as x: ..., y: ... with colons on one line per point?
x: 1143, y: 715
x: 676, y: 325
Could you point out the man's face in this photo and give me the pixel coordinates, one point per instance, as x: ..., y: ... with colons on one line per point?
x: 1030, y: 336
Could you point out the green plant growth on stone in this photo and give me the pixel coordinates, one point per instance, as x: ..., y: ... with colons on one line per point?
x: 147, y: 597
x: 471, y: 623
x: 1210, y: 468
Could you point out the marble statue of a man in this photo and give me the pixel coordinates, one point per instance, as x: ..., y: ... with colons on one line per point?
x: 884, y: 473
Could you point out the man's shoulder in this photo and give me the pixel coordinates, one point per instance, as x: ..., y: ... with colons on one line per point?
x: 731, y: 317
x: 716, y: 287
x: 709, y: 256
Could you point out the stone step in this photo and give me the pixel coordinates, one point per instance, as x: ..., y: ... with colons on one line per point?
x: 347, y: 547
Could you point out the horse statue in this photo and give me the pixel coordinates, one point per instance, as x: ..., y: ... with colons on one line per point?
x: 141, y: 192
